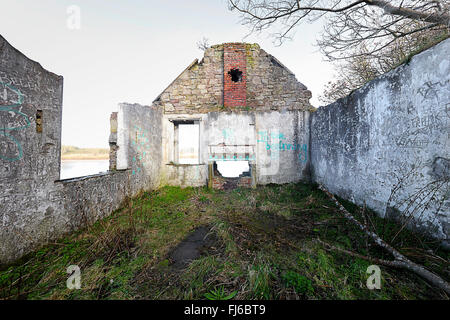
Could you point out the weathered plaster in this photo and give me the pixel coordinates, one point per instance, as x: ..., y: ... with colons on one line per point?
x: 395, y: 127
x: 277, y: 142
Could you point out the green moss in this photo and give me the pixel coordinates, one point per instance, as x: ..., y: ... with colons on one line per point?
x: 249, y: 48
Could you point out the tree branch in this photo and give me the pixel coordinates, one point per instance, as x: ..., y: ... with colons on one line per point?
x: 399, y: 260
x: 441, y: 18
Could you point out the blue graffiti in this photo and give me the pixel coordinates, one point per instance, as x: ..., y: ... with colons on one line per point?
x: 227, y: 134
x: 281, y: 145
x: 20, y: 122
x: 263, y: 136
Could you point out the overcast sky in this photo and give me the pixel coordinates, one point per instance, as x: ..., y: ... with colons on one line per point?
x: 131, y: 50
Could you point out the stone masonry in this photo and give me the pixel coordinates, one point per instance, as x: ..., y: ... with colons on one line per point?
x: 207, y: 86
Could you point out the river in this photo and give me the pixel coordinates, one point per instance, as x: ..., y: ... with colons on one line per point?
x: 80, y: 168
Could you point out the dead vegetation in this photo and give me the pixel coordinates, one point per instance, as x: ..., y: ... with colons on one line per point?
x: 253, y: 244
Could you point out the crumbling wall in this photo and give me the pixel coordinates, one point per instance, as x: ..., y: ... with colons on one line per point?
x: 277, y: 143
x: 242, y: 96
x: 271, y: 85
x: 266, y: 84
x: 282, y: 146
x: 139, y: 142
x: 37, y: 207
x: 113, y: 142
x: 198, y: 89
x: 395, y: 128
x: 30, y: 144
x: 136, y: 140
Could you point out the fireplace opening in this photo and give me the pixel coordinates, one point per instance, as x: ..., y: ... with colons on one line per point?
x: 228, y: 175
x: 233, y: 169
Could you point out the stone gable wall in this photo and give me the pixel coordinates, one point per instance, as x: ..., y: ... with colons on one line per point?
x: 269, y: 85
x: 198, y: 89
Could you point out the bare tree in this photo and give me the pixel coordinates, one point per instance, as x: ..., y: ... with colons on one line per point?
x: 374, y: 23
x: 363, y: 66
x: 203, y: 44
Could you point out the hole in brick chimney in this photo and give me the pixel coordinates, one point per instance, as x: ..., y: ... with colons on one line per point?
x: 236, y: 75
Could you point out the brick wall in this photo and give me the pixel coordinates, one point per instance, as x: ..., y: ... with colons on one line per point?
x: 245, y: 182
x: 234, y: 86
x: 218, y: 183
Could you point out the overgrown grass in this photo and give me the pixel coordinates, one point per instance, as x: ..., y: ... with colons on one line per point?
x: 265, y: 248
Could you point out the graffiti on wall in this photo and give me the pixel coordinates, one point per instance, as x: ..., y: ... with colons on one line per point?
x: 11, y: 119
x: 431, y: 89
x: 232, y: 149
x: 141, y: 146
x: 421, y: 127
x: 276, y: 142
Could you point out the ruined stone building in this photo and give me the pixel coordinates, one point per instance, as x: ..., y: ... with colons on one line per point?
x: 241, y: 105
x: 244, y: 105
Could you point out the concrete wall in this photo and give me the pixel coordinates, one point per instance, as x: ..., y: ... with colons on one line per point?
x: 30, y: 144
x: 395, y: 127
x: 139, y: 141
x: 283, y: 146
x: 35, y: 206
x: 90, y: 198
x: 276, y: 142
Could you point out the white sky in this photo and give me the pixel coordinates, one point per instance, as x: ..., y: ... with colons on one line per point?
x: 130, y: 51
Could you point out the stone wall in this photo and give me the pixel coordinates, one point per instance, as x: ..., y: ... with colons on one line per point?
x: 269, y: 85
x: 198, y: 89
x: 113, y: 142
x: 30, y: 144
x: 37, y: 207
x: 394, y: 128
x: 88, y: 199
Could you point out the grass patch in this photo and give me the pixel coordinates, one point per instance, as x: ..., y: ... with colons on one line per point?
x: 265, y: 248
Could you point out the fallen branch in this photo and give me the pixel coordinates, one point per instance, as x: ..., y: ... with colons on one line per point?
x: 400, y: 261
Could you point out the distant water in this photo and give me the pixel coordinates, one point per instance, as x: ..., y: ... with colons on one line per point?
x: 80, y: 168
